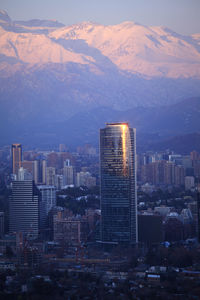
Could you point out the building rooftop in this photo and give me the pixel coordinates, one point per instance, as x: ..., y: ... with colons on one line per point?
x: 117, y: 124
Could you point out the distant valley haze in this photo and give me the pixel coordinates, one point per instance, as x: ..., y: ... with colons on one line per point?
x: 60, y: 84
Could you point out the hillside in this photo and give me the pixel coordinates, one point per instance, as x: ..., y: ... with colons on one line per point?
x: 182, y: 144
x: 154, y: 126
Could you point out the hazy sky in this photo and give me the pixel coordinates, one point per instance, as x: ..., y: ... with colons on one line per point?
x: 182, y: 16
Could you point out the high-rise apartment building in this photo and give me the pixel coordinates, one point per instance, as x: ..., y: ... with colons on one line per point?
x: 118, y: 183
x: 16, y: 157
x: 40, y: 171
x: 48, y: 201
x: 68, y: 173
x: 85, y: 179
x: 70, y: 230
x: 23, y: 174
x: 163, y: 172
x: 50, y: 176
x: 24, y: 208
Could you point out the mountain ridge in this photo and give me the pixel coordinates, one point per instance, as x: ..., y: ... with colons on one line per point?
x: 149, y: 51
x: 153, y: 125
x: 49, y: 75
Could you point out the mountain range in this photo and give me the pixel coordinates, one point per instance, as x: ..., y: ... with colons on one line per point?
x: 60, y: 79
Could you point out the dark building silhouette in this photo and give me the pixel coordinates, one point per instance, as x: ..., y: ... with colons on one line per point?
x: 198, y: 215
x: 150, y: 229
x: 118, y: 183
x: 173, y: 228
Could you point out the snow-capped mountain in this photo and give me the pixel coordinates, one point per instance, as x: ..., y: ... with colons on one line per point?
x: 4, y: 17
x: 138, y: 49
x: 49, y: 71
x: 148, y: 51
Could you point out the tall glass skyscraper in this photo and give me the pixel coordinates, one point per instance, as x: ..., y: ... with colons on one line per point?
x: 24, y: 208
x: 118, y: 183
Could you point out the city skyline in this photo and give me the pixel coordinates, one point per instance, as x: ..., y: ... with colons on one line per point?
x: 75, y: 228
x: 83, y: 215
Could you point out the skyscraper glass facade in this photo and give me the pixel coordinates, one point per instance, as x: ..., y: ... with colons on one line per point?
x: 118, y: 183
x: 24, y: 208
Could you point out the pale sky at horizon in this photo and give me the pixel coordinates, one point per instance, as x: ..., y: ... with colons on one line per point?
x: 182, y: 16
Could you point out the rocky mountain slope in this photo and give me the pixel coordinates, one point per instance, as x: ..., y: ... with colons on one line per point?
x: 148, y: 51
x: 50, y: 73
x: 138, y: 49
